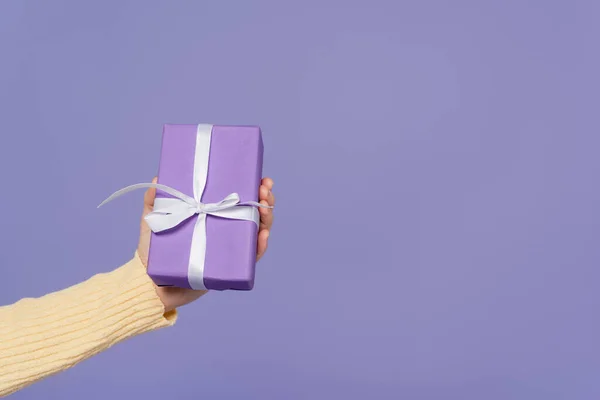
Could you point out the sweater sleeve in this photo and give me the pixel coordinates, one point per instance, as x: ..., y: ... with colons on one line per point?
x: 42, y: 336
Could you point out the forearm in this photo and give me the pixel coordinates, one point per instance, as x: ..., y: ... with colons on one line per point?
x: 40, y: 337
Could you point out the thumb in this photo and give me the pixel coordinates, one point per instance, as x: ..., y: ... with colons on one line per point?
x: 149, y: 197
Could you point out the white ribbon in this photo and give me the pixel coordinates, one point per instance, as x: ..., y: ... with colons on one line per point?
x: 170, y: 212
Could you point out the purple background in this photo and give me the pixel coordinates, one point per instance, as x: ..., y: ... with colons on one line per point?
x: 436, y: 166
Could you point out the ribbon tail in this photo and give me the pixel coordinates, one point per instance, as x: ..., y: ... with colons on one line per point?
x: 254, y: 204
x: 158, y: 186
x: 240, y: 213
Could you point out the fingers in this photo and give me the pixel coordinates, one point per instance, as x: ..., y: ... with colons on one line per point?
x: 266, y: 216
x: 263, y: 241
x: 267, y: 198
x: 268, y: 182
x: 271, y: 198
x: 266, y: 191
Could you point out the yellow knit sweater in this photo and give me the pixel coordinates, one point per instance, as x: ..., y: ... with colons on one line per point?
x: 40, y: 337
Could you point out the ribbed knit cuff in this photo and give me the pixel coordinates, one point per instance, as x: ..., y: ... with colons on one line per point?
x: 39, y: 337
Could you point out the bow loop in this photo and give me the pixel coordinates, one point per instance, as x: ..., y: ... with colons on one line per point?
x: 170, y: 215
x: 170, y: 212
x: 230, y: 201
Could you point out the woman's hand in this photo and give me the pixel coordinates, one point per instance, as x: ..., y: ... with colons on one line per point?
x: 173, y: 297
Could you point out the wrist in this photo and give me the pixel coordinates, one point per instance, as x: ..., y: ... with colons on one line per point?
x: 165, y: 299
x: 160, y: 291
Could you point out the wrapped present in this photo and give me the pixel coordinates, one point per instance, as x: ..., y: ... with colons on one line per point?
x: 205, y: 219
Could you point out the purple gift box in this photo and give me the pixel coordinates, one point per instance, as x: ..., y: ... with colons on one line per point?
x: 234, y: 166
x: 205, y: 218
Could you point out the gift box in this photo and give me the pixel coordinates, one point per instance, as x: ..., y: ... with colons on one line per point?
x: 205, y: 220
